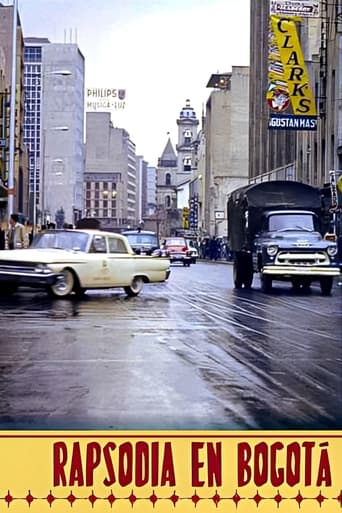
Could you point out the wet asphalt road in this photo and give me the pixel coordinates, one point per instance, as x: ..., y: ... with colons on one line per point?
x: 192, y: 353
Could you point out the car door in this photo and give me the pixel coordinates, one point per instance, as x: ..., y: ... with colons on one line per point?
x: 97, y: 267
x: 121, y: 262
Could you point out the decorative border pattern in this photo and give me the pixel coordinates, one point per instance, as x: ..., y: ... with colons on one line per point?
x: 174, y: 498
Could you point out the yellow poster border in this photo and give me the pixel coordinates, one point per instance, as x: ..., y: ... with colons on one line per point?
x: 181, y: 497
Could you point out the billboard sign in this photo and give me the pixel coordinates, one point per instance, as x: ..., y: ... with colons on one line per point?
x: 305, y: 9
x: 289, y: 96
x: 105, y: 99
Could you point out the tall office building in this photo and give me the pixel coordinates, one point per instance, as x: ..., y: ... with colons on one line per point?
x: 20, y: 170
x: 150, y: 201
x: 141, y: 187
x: 110, y: 182
x: 268, y: 149
x: 53, y: 129
x: 289, y: 154
x: 32, y: 118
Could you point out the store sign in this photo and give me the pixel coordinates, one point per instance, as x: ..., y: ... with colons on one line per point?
x: 219, y: 214
x: 305, y: 9
x: 336, y: 190
x: 105, y: 99
x: 289, y: 89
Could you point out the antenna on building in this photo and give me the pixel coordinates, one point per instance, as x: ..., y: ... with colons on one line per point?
x: 70, y: 35
x: 76, y: 35
x: 65, y: 36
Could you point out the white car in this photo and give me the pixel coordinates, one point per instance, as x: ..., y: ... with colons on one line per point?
x: 67, y: 261
x: 192, y: 250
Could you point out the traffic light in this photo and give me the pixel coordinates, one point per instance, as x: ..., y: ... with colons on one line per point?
x: 185, y: 218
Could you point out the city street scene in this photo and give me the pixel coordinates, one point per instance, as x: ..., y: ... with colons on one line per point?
x: 170, y: 215
x: 191, y: 353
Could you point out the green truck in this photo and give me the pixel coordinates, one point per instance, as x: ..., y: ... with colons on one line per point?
x: 277, y: 229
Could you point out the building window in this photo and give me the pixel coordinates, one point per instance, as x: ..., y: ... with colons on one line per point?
x: 97, y: 186
x: 167, y: 179
x: 187, y: 164
x: 167, y: 201
x: 187, y: 136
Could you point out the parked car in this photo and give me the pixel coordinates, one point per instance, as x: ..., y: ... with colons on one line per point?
x: 142, y: 242
x: 177, y: 250
x: 192, y: 250
x: 66, y: 261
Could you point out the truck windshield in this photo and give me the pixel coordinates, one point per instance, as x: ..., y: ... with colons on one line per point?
x: 284, y: 222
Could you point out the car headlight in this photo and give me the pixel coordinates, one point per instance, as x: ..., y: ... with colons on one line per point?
x: 272, y: 250
x: 42, y: 268
x: 332, y: 250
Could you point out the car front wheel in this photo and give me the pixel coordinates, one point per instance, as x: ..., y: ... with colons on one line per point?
x: 135, y: 288
x: 64, y: 285
x: 266, y: 283
x: 326, y: 283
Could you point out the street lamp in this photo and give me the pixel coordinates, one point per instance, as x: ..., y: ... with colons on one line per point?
x: 42, y: 158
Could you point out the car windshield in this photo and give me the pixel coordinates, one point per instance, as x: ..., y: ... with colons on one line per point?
x: 284, y: 222
x: 142, y: 239
x: 175, y: 242
x: 61, y: 240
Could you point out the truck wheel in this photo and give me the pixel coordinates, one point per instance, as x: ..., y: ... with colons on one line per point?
x: 266, y: 283
x: 248, y: 279
x: 237, y: 275
x: 248, y: 272
x: 326, y: 283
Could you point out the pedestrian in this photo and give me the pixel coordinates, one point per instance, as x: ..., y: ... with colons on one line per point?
x: 213, y: 248
x: 2, y: 238
x: 17, y: 238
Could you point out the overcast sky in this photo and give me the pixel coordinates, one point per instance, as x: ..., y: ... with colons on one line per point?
x: 161, y: 51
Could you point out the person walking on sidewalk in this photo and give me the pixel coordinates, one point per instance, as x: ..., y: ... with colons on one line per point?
x: 17, y: 238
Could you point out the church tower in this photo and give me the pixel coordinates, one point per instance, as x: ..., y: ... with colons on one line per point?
x: 187, y: 134
x: 167, y: 177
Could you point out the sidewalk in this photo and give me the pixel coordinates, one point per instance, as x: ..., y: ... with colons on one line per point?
x: 218, y: 261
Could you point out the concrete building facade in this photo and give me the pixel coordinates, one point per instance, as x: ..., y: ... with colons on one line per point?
x: 268, y: 149
x: 150, y: 201
x: 226, y: 147
x: 20, y: 156
x: 141, y: 188
x: 321, y: 151
x: 110, y: 181
x: 187, y: 134
x: 62, y: 133
x: 298, y: 155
